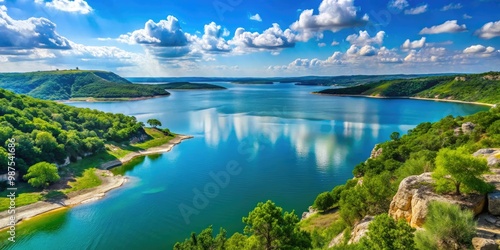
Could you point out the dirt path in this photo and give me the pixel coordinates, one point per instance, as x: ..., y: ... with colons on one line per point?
x: 109, y: 182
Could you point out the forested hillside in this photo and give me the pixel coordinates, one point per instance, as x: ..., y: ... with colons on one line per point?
x: 45, y: 131
x: 66, y: 84
x: 470, y: 87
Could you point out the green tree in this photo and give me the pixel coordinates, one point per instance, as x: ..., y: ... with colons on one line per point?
x: 385, y: 233
x: 204, y: 240
x: 395, y: 136
x: 154, y: 123
x: 446, y: 227
x: 46, y: 142
x: 459, y: 168
x: 323, y: 201
x: 274, y: 229
x: 42, y: 174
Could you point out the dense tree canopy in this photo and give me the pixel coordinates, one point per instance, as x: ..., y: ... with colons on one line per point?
x: 51, y: 132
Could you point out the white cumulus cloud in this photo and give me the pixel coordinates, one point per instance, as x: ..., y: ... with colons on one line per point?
x: 256, y: 17
x: 489, y: 30
x: 475, y: 49
x: 417, y: 10
x: 450, y: 26
x: 364, y: 38
x: 165, y: 33
x: 75, y: 6
x: 30, y: 33
x: 417, y: 44
x: 334, y: 15
x: 271, y: 39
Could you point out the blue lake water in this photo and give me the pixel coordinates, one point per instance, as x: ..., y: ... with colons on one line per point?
x: 275, y: 142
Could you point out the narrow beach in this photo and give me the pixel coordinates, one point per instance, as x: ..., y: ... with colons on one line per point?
x: 109, y: 182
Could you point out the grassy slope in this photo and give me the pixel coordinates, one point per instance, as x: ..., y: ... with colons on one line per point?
x: 84, y: 171
x: 66, y: 84
x: 475, y: 88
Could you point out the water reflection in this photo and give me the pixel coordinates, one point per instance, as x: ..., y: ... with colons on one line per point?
x: 326, y: 140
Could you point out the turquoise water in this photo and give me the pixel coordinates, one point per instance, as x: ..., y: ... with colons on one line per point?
x: 274, y: 142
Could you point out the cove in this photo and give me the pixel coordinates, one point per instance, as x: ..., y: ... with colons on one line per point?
x: 288, y: 145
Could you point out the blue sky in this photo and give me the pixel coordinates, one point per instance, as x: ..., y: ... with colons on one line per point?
x: 250, y: 38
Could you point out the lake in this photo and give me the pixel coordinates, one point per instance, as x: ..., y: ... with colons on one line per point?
x: 251, y: 143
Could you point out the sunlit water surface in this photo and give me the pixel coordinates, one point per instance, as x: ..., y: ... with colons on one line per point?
x: 279, y: 141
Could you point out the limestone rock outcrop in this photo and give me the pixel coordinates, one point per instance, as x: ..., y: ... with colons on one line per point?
x: 484, y: 244
x: 467, y: 127
x: 359, y: 231
x: 492, y: 155
x: 494, y: 203
x: 376, y: 152
x: 416, y: 192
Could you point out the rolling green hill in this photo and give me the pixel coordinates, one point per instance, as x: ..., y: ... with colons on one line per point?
x: 468, y: 87
x: 67, y: 84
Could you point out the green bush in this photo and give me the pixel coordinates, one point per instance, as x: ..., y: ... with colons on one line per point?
x: 323, y: 201
x: 446, y: 227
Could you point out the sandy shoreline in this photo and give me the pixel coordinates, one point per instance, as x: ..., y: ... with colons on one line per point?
x: 109, y: 182
x: 414, y: 98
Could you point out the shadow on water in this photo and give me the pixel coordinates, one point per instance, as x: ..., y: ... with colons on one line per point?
x: 129, y: 166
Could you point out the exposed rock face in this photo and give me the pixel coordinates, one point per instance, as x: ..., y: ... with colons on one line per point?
x: 468, y: 127
x: 360, y: 230
x: 460, y: 78
x: 492, y: 155
x: 491, y: 77
x: 66, y: 163
x: 376, y: 152
x: 139, y: 138
x: 484, y: 244
x: 494, y: 203
x: 416, y: 192
x: 309, y: 213
x: 357, y: 233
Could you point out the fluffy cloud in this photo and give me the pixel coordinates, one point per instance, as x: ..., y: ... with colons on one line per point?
x: 30, y: 33
x: 465, y: 16
x: 213, y: 39
x: 427, y: 55
x: 417, y: 44
x: 364, y: 38
x: 399, y: 4
x: 452, y: 6
x: 165, y: 33
x: 256, y: 17
x: 489, y: 30
x: 446, y: 27
x: 417, y: 10
x: 271, y: 39
x: 334, y: 15
x: 75, y: 6
x: 476, y: 49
